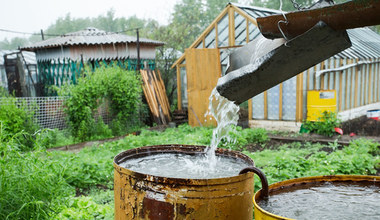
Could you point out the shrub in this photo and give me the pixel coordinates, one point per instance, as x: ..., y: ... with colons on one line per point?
x: 114, y: 86
x: 17, y: 118
x: 324, y: 125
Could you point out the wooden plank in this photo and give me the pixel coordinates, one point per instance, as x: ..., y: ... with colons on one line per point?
x: 250, y: 113
x: 231, y: 27
x: 149, y: 97
x: 163, y: 89
x: 247, y: 31
x: 216, y: 35
x: 162, y: 94
x: 203, y: 70
x: 161, y: 108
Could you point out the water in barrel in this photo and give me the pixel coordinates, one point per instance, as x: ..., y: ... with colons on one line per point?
x: 326, y: 201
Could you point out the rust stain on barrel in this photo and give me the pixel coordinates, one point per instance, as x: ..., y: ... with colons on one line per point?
x: 142, y: 196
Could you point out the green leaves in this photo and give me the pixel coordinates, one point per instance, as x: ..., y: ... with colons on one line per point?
x: 115, y: 89
x: 324, y: 125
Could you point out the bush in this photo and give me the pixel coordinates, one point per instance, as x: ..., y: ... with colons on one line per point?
x: 16, y: 118
x: 324, y: 125
x: 114, y: 86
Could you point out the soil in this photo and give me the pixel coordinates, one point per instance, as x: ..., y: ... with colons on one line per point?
x: 362, y: 126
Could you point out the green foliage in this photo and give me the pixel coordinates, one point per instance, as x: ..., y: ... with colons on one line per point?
x: 324, y: 125
x: 17, y: 118
x: 31, y: 184
x: 40, y: 184
x: 312, y: 160
x: 85, y: 208
x: 112, y: 86
x: 48, y: 138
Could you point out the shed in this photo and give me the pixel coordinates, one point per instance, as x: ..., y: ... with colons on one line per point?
x: 62, y: 58
x: 29, y: 64
x: 353, y: 74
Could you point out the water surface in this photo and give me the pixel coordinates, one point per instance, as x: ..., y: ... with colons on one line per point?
x: 178, y: 165
x: 327, y: 201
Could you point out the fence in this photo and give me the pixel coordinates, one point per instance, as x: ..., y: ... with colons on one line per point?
x: 48, y: 111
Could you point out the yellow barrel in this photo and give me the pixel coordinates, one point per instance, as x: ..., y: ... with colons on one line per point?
x: 320, y: 101
x: 142, y: 196
x: 261, y: 214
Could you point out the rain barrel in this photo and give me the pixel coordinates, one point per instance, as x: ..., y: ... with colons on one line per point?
x: 319, y: 101
x: 307, y: 182
x: 143, y: 196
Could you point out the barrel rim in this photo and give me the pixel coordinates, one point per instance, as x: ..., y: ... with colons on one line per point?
x: 181, y: 148
x: 310, y: 179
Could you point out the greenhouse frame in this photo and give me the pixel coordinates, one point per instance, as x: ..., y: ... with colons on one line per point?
x: 352, y: 74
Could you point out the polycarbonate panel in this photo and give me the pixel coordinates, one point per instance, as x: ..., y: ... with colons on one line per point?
x: 360, y: 75
x: 223, y: 32
x: 200, y: 45
x: 224, y: 53
x: 304, y: 95
x: 353, y: 73
x: 210, y: 39
x: 289, y: 100
x: 273, y: 103
x: 258, y: 106
x: 183, y: 87
x: 253, y: 31
x: 240, y: 30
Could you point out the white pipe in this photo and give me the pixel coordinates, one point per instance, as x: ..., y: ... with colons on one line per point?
x: 320, y: 72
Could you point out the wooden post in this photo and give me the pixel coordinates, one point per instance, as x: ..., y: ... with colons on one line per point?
x: 42, y: 35
x: 231, y: 27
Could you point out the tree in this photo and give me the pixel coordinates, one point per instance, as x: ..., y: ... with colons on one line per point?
x: 13, y: 44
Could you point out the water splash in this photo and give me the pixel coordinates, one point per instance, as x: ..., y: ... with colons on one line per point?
x: 226, y: 115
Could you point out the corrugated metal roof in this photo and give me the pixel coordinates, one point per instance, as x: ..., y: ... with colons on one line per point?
x: 256, y: 12
x: 365, y: 42
x: 89, y: 36
x: 30, y: 57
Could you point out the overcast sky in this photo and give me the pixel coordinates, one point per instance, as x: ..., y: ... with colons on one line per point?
x: 34, y: 15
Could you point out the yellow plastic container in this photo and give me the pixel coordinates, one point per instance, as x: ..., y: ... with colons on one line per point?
x: 261, y: 214
x: 319, y: 101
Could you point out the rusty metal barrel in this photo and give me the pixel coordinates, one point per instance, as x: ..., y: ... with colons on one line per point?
x: 305, y: 182
x: 143, y: 196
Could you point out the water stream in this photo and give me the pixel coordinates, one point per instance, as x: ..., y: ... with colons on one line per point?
x: 201, y: 166
x: 226, y: 115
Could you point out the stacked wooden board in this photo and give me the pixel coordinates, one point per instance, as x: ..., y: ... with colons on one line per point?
x: 155, y: 94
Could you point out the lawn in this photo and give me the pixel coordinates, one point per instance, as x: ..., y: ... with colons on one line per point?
x: 66, y: 185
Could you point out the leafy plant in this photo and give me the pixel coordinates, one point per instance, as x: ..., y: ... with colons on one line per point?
x: 324, y: 125
x: 17, y: 122
x: 31, y: 185
x: 85, y: 208
x: 112, y: 86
